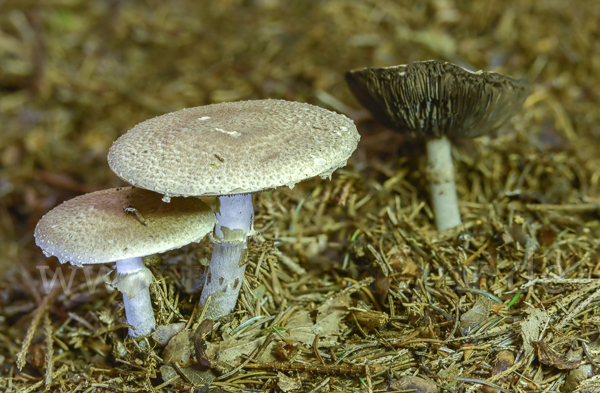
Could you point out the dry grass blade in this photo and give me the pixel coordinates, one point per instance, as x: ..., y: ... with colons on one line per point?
x: 37, y: 316
x: 49, y: 361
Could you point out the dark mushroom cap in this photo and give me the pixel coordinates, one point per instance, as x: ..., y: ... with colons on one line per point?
x: 437, y: 98
x: 233, y: 148
x: 121, y: 223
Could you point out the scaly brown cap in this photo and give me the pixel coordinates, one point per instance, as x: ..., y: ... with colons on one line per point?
x: 437, y: 98
x: 233, y: 148
x: 120, y: 223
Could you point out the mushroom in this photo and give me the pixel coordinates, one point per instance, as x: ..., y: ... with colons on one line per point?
x: 232, y: 150
x: 122, y: 225
x: 437, y: 100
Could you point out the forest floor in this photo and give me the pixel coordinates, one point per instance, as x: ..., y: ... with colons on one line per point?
x: 349, y: 286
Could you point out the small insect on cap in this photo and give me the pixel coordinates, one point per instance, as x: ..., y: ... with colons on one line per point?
x: 233, y: 148
x: 436, y: 98
x: 120, y: 223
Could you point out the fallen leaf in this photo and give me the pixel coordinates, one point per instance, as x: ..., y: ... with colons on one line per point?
x: 163, y: 333
x: 414, y: 384
x: 550, y: 357
x: 287, y: 384
x: 475, y: 316
x: 532, y: 325
x: 330, y: 315
x: 329, y: 323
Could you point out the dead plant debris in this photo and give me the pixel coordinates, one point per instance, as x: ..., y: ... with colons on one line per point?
x: 349, y: 286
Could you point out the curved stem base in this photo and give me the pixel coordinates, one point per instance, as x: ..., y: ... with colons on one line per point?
x: 133, y: 281
x: 224, y: 278
x: 136, y: 310
x: 225, y: 275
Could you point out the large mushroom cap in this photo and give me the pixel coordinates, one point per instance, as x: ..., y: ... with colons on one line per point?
x: 233, y: 148
x: 436, y: 98
x: 120, y: 223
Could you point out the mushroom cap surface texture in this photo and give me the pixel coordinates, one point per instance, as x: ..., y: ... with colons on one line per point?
x: 120, y: 223
x: 436, y: 98
x: 233, y: 148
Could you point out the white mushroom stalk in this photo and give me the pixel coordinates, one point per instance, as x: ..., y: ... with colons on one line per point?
x: 225, y: 275
x: 133, y: 281
x: 440, y: 173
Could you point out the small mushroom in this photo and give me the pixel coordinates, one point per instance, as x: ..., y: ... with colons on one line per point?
x: 99, y: 228
x: 232, y: 150
x: 437, y: 100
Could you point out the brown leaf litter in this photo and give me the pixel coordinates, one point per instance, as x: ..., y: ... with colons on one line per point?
x: 349, y: 286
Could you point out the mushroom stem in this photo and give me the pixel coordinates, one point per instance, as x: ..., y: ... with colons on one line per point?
x: 225, y: 275
x: 134, y: 284
x: 440, y: 173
